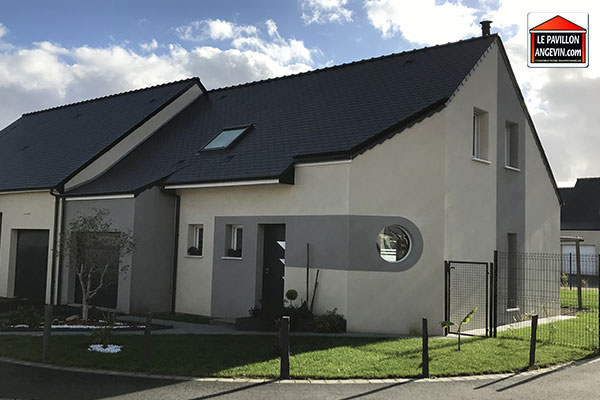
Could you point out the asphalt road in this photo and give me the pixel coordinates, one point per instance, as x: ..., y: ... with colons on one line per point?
x: 579, y: 381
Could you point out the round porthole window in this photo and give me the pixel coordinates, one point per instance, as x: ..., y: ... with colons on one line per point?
x: 393, y: 243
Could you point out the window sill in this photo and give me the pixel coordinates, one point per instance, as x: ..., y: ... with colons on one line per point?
x: 191, y: 256
x: 231, y: 258
x: 481, y: 160
x: 508, y: 167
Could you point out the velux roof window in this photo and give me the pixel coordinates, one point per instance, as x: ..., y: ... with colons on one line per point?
x: 225, y: 138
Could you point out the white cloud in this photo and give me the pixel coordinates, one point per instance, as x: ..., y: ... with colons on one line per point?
x: 3, y: 30
x: 422, y: 22
x: 561, y: 101
x: 322, y: 11
x: 47, y: 74
x: 215, y: 29
x: 150, y: 46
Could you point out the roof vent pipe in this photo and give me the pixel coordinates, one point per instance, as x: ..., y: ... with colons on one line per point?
x: 485, y: 28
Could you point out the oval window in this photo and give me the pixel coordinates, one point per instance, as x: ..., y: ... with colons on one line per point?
x: 393, y: 243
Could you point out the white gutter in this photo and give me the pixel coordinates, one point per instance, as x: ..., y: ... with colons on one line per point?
x: 224, y: 184
x: 27, y: 191
x: 113, y: 197
x: 318, y: 164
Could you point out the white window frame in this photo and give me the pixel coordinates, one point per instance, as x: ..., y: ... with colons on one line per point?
x: 234, y: 231
x: 508, y: 135
x: 480, y: 136
x: 196, y: 239
x: 476, y: 135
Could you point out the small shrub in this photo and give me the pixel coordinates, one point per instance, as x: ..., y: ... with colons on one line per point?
x: 255, y: 312
x: 291, y: 295
x: 564, y: 280
x: 584, y: 283
x: 331, y: 322
x: 104, y: 334
x: 234, y: 253
x: 29, y: 316
x: 194, y: 251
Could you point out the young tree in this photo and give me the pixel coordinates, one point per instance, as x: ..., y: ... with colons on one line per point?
x: 95, y: 250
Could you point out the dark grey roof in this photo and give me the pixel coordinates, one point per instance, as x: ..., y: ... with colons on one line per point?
x: 332, y: 113
x: 42, y: 149
x: 581, y: 208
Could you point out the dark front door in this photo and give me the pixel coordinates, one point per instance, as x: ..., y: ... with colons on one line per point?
x: 273, y: 264
x: 31, y: 264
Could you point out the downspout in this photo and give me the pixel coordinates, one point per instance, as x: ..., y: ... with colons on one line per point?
x: 175, y: 249
x: 175, y: 253
x: 55, y: 251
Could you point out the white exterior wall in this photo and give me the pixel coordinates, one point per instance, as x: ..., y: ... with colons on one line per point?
x: 402, y: 177
x: 318, y: 190
x: 34, y: 210
x: 542, y: 210
x: 470, y: 186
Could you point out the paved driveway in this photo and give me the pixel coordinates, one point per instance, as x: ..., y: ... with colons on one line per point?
x: 578, y: 381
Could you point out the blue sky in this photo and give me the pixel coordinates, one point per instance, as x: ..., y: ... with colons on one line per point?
x: 57, y: 52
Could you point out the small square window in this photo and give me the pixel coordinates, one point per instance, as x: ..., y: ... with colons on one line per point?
x: 480, y: 134
x: 225, y: 138
x: 512, y: 145
x: 234, y: 239
x: 195, y: 240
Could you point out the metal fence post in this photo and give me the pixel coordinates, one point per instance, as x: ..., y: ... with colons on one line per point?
x: 446, y: 294
x: 495, y: 295
x: 47, y: 329
x: 425, y: 353
x: 284, y: 340
x: 598, y: 301
x: 534, y: 324
x: 147, y: 344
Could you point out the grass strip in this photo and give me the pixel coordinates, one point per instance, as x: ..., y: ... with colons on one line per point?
x: 312, y: 357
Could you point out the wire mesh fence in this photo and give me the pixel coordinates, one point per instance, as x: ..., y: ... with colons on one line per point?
x: 528, y: 284
x: 467, y: 288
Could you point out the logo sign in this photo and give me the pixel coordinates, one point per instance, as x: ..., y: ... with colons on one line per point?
x: 558, y: 40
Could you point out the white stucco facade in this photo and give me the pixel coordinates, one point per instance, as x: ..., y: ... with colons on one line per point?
x: 425, y: 174
x: 33, y: 210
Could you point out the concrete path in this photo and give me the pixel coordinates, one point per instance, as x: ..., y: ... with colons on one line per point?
x: 187, y: 328
x: 575, y: 381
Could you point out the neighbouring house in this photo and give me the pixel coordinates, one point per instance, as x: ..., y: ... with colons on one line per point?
x: 379, y: 169
x: 580, y: 218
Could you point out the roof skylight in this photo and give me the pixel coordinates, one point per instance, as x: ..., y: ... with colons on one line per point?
x: 225, y: 138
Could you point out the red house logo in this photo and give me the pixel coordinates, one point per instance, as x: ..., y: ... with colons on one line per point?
x: 558, y: 41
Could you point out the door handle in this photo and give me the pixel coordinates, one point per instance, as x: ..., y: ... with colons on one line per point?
x: 267, y: 270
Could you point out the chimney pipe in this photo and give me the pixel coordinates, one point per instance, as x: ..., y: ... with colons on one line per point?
x: 485, y: 28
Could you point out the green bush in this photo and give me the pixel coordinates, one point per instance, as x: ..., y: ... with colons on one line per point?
x: 29, y: 316
x: 564, y: 280
x: 331, y: 322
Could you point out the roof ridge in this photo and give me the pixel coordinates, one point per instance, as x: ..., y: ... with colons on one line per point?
x: 110, y: 96
x: 352, y: 63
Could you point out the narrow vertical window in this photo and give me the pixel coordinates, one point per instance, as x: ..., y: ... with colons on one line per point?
x: 512, y: 145
x: 195, y: 240
x: 480, y: 135
x: 234, y: 240
x: 476, y: 134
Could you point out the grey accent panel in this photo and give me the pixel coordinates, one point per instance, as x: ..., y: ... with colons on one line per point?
x: 121, y: 215
x: 152, y: 264
x: 510, y: 215
x: 339, y: 242
x: 363, y: 250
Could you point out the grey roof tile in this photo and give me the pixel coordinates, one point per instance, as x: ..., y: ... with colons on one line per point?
x: 334, y: 112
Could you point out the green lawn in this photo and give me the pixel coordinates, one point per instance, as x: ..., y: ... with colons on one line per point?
x: 312, y: 357
x: 589, y: 298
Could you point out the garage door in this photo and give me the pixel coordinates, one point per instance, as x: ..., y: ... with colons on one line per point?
x: 31, y: 264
